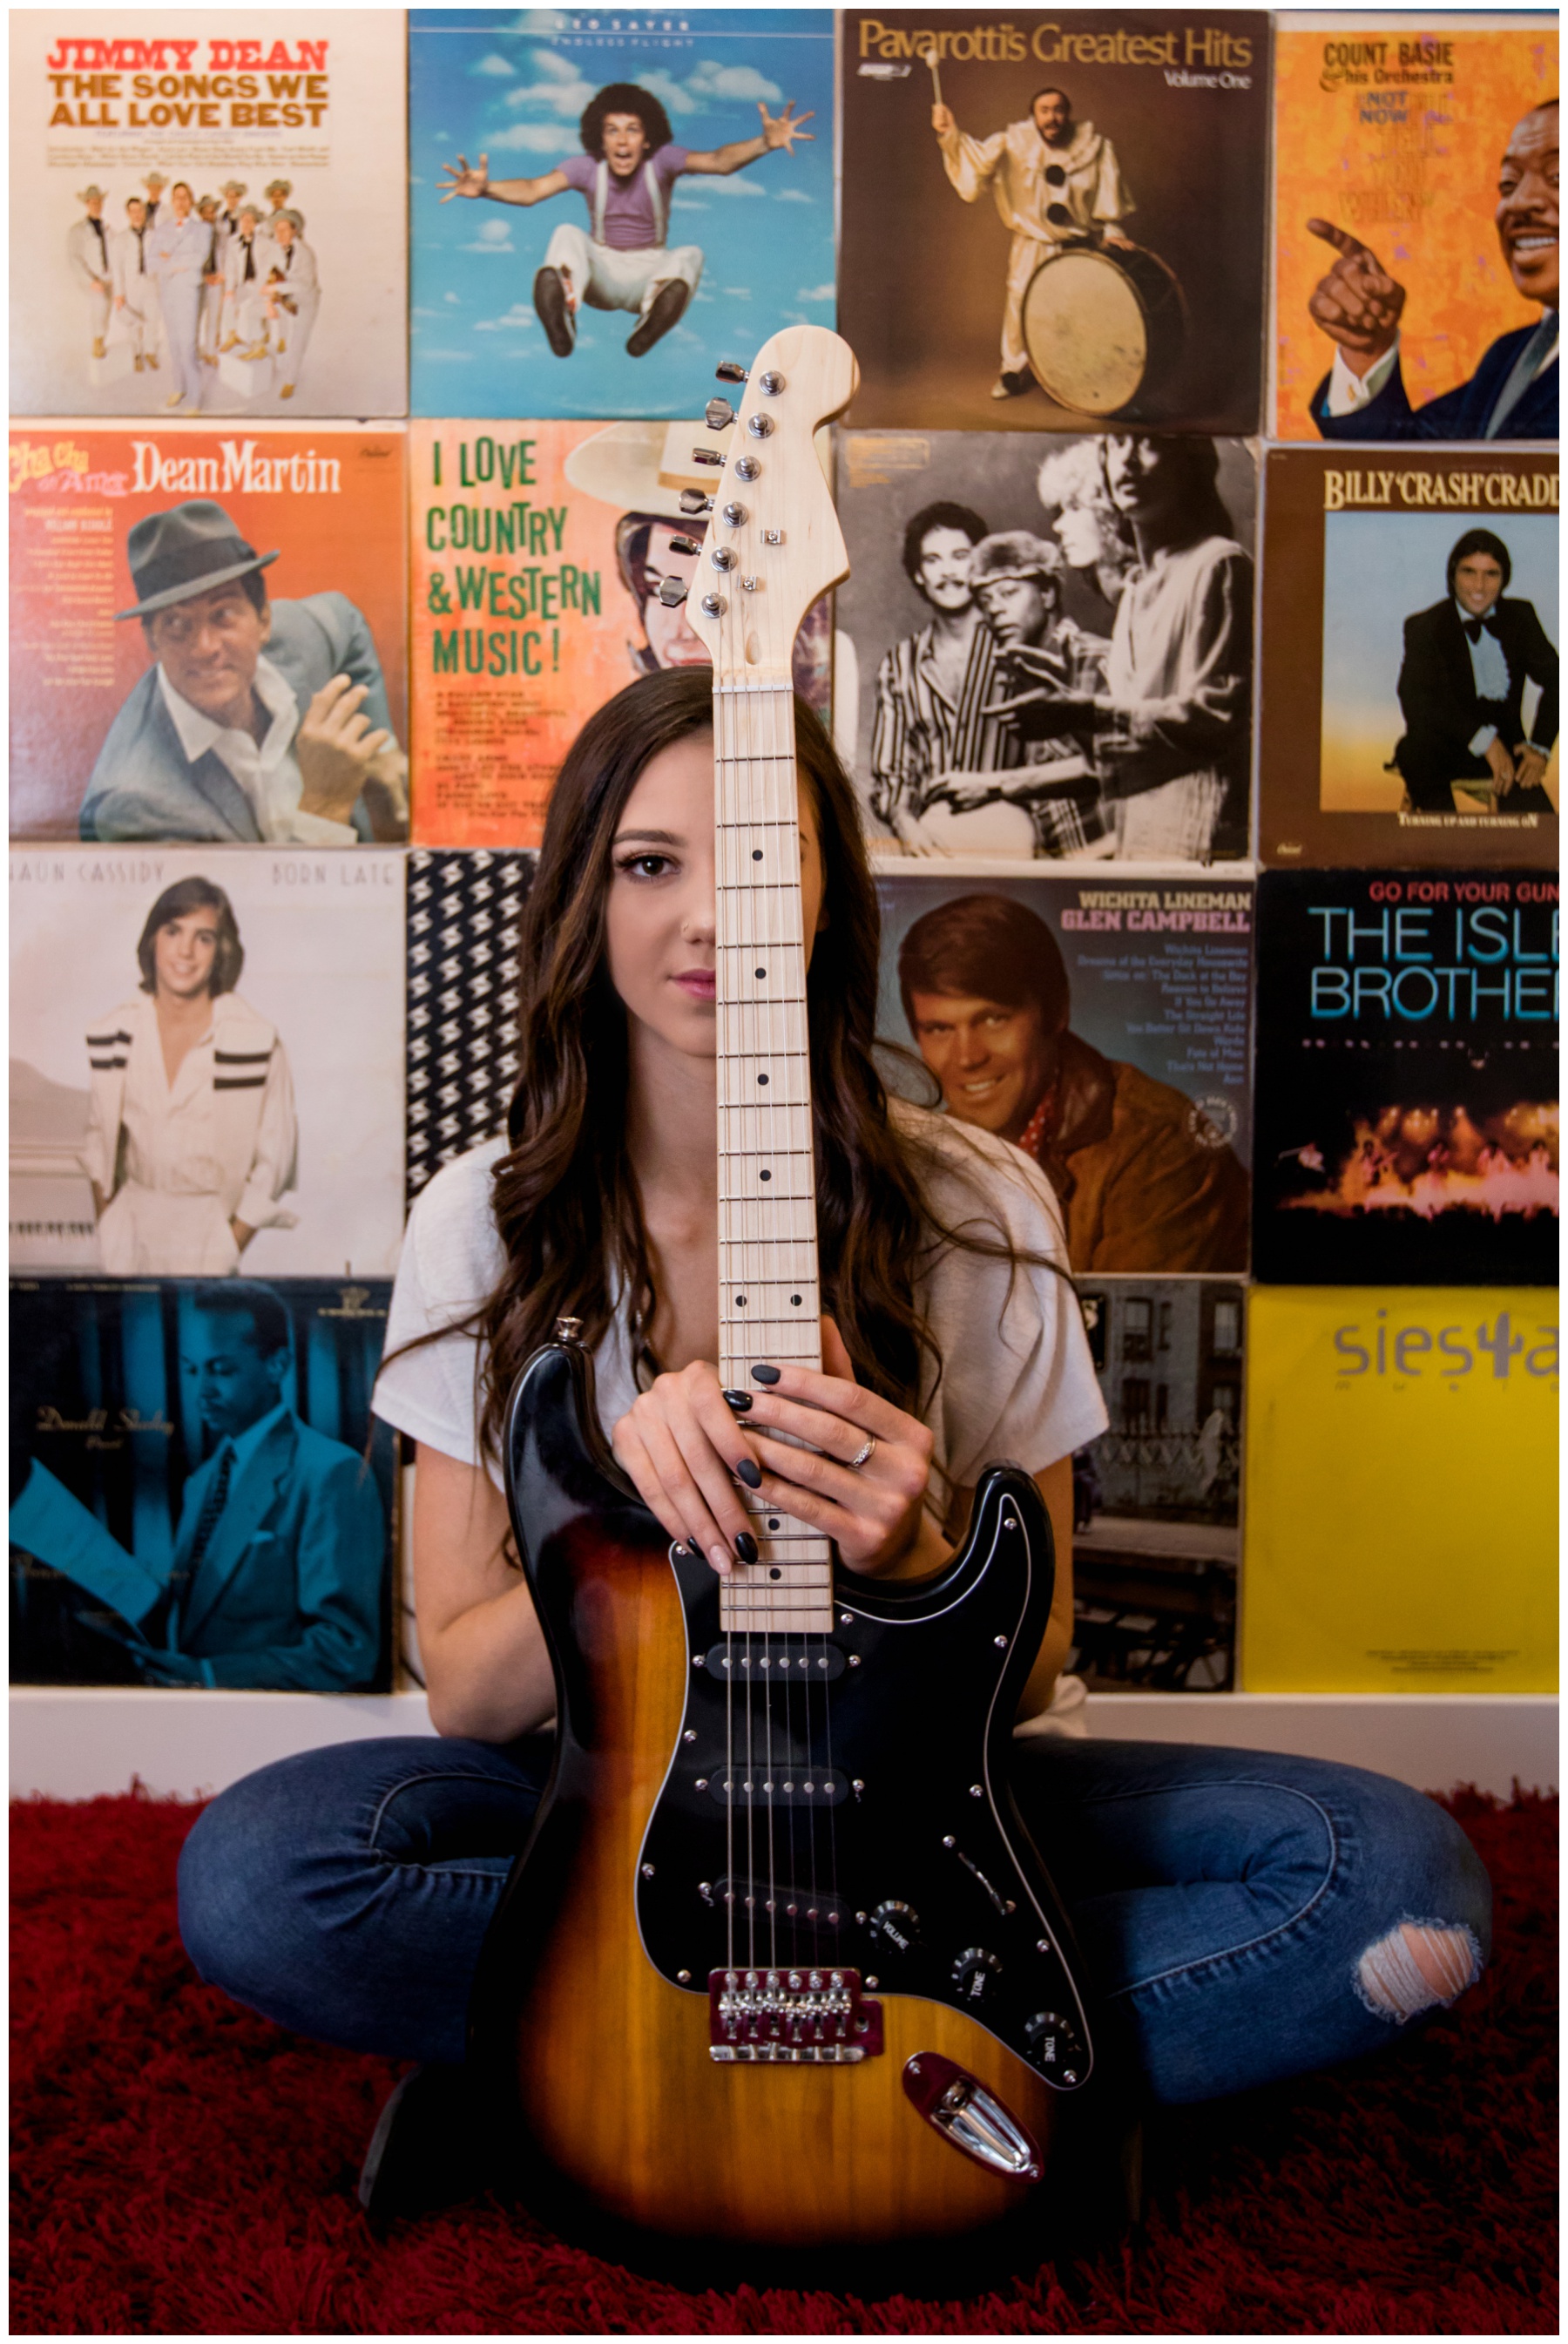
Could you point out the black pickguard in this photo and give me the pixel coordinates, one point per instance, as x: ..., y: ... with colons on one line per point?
x: 915, y: 1862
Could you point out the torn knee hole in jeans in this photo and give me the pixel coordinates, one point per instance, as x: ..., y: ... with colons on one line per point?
x: 1418, y: 1965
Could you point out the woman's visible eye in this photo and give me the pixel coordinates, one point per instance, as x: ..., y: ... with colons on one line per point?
x: 646, y: 866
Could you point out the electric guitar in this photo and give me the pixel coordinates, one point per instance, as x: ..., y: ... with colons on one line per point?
x: 779, y: 1961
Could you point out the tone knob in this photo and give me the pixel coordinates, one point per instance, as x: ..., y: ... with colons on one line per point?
x: 1054, y: 2043
x: 975, y: 1972
x: 897, y: 1924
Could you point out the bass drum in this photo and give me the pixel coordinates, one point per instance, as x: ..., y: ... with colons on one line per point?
x: 1102, y: 329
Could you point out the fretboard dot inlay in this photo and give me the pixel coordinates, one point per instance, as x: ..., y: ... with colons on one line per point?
x: 795, y: 1298
x: 761, y: 972
x: 741, y: 1302
x: 762, y: 1078
x: 765, y: 1176
x: 757, y: 854
x: 772, y: 1521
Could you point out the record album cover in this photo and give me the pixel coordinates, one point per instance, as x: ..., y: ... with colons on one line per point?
x: 1100, y: 1026
x: 1400, y: 1490
x: 538, y: 553
x: 206, y: 1062
x: 1155, y: 1542
x: 1051, y: 221
x: 208, y: 634
x: 1044, y: 648
x: 604, y: 207
x: 1415, y: 226
x: 209, y: 212
x: 1409, y: 703
x: 200, y: 1493
x: 465, y: 913
x: 1406, y: 1078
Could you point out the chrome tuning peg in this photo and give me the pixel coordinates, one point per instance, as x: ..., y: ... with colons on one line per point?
x: 684, y: 545
x: 718, y: 414
x: 672, y: 591
x: 708, y: 456
x: 727, y: 371
x: 694, y: 504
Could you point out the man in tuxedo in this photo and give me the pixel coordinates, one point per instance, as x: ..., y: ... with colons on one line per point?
x: 1513, y: 394
x: 1462, y: 688
x: 281, y: 1550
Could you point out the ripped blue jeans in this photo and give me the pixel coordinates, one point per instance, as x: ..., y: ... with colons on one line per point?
x: 1250, y: 1916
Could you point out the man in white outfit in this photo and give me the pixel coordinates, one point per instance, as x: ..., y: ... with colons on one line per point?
x: 1054, y: 182
x: 244, y: 268
x: 136, y: 313
x: 92, y: 272
x: 211, y: 318
x: 180, y: 245
x: 624, y: 174
x: 192, y: 1134
x: 293, y: 296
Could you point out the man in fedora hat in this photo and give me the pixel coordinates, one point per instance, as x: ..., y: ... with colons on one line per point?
x: 92, y: 272
x: 258, y: 721
x: 155, y: 184
x: 179, y: 244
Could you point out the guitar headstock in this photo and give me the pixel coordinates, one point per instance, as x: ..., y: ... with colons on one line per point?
x: 773, y: 543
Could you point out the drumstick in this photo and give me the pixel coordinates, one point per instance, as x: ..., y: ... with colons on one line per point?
x: 936, y: 74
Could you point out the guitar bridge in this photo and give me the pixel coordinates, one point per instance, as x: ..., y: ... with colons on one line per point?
x: 792, y: 2017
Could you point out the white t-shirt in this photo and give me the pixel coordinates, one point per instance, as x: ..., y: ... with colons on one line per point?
x: 1017, y: 1382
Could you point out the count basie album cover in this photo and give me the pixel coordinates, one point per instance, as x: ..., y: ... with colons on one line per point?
x: 1052, y: 220
x: 1409, y: 699
x: 209, y: 212
x: 200, y: 1495
x: 1407, y: 1083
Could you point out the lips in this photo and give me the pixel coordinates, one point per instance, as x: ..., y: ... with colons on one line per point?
x: 697, y: 983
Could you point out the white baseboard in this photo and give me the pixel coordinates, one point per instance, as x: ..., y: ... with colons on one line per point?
x: 69, y: 1742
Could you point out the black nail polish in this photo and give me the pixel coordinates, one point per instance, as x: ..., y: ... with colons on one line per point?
x: 750, y: 1473
x: 746, y: 1547
x: 739, y: 1401
x: 765, y: 1375
x: 694, y: 1551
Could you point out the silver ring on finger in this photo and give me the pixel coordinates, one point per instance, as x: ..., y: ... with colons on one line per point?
x: 864, y: 1454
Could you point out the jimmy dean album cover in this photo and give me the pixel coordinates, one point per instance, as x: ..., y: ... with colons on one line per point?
x: 606, y: 206
x: 209, y: 212
x: 206, y: 1062
x: 1406, y: 1078
x: 1045, y: 646
x: 464, y: 911
x: 1155, y: 1542
x: 208, y: 634
x: 1415, y: 226
x: 1381, y: 1420
x: 538, y: 554
x: 201, y: 1495
x: 1409, y: 659
x: 1051, y: 220
x: 1102, y: 1027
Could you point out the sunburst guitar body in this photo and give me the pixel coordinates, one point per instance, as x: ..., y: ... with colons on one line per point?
x: 780, y: 1963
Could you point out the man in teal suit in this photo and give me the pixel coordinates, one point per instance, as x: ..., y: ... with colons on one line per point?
x: 258, y: 721
x: 280, y: 1556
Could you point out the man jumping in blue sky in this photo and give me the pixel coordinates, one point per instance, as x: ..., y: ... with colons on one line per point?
x: 628, y: 165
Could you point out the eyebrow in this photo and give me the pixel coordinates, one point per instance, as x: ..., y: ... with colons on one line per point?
x: 659, y: 837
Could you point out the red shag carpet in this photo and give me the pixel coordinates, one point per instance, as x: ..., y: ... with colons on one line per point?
x: 183, y: 2169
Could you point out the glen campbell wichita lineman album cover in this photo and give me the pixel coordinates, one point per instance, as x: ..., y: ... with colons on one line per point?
x: 1049, y: 221
x: 209, y: 212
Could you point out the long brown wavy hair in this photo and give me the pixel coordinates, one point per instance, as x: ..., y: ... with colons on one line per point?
x: 564, y: 1197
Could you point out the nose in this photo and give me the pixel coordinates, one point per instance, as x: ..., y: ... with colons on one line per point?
x: 973, y: 1047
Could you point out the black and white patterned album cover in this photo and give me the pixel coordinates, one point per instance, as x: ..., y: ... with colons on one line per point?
x: 464, y: 910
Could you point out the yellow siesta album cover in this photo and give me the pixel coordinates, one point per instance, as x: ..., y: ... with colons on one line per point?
x: 1382, y: 1422
x: 1391, y: 132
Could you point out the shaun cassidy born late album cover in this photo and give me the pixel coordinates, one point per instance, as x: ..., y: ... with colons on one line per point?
x: 538, y: 552
x: 125, y: 543
x: 201, y: 1496
x: 1103, y: 1028
x: 1050, y: 220
x: 464, y: 911
x: 605, y: 207
x: 1406, y: 1078
x: 207, y: 1055
x: 1415, y: 226
x: 209, y: 212
x: 1409, y: 659
x: 1045, y: 646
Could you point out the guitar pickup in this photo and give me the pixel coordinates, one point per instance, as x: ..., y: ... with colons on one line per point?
x: 792, y: 2017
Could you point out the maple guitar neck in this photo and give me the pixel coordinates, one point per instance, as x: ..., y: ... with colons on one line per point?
x: 773, y: 547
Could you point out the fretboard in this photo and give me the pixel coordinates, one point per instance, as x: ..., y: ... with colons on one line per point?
x: 769, y: 1300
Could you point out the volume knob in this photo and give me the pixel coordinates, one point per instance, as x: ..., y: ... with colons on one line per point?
x: 897, y: 1924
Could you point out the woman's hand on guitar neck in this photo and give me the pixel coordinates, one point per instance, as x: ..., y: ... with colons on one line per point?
x: 681, y: 1443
